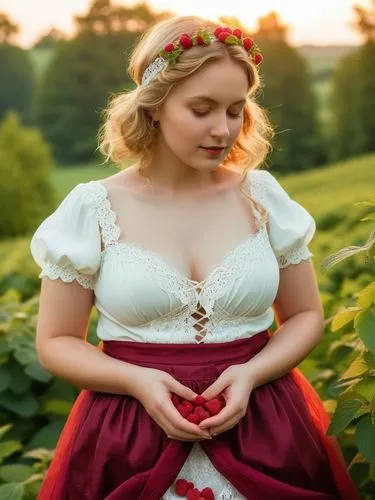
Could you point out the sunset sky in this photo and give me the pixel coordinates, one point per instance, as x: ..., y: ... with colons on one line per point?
x: 317, y: 22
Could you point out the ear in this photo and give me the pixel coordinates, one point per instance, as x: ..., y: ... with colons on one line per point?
x: 155, y: 114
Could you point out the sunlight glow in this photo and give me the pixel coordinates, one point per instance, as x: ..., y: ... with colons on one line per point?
x: 319, y: 22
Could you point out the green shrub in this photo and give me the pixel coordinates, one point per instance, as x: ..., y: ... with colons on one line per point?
x: 26, y: 191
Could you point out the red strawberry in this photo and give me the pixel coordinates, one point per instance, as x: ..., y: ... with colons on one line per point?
x: 169, y: 47
x: 218, y: 31
x: 248, y: 43
x: 207, y: 494
x: 214, y: 406
x: 183, y: 410
x: 193, y: 418
x: 227, y: 29
x: 223, y: 35
x: 238, y: 33
x: 181, y: 487
x: 186, y: 41
x: 190, y: 486
x: 258, y: 58
x: 176, y: 400
x: 201, y: 412
x: 188, y: 405
x: 199, y: 400
x: 193, y: 494
x: 200, y: 40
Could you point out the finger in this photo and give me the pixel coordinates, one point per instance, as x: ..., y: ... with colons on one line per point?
x: 227, y: 413
x: 173, y: 433
x: 226, y: 427
x: 216, y: 388
x: 181, y: 390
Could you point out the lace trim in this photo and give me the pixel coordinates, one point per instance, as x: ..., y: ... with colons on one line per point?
x: 106, y: 216
x: 294, y: 256
x: 233, y: 267
x: 67, y: 274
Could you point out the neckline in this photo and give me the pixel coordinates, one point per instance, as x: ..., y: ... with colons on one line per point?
x: 128, y: 244
x: 196, y: 284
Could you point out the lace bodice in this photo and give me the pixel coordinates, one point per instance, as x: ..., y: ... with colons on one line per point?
x: 141, y: 297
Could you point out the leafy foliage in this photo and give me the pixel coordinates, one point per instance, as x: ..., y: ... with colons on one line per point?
x: 26, y: 193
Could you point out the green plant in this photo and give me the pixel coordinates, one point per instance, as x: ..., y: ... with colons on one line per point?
x: 356, y: 402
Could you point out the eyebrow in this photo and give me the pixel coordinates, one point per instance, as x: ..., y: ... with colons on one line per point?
x: 209, y: 99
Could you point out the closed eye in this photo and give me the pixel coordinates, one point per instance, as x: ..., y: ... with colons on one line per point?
x: 204, y: 113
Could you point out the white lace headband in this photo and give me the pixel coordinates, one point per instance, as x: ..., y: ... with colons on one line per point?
x: 171, y: 51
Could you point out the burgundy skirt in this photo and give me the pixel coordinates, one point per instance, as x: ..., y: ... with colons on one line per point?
x: 111, y: 449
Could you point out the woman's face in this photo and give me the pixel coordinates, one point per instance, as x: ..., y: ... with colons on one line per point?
x: 204, y: 111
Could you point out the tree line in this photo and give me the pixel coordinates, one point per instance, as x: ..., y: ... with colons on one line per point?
x: 67, y: 100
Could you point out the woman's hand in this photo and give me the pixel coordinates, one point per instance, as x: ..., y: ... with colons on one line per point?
x: 235, y: 384
x: 153, y: 388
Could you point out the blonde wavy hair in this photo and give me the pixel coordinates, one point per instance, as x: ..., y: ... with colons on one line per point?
x: 129, y: 131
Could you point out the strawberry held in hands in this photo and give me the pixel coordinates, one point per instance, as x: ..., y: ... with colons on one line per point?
x: 199, y: 409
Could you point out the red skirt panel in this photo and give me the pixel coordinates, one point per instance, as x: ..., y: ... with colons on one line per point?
x: 111, y: 449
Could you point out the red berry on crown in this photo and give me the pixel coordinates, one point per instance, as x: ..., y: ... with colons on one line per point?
x: 223, y: 35
x: 248, y: 43
x: 169, y: 47
x: 258, y: 58
x: 186, y: 41
x: 238, y: 33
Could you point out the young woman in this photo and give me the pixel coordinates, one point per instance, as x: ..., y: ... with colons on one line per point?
x: 187, y: 255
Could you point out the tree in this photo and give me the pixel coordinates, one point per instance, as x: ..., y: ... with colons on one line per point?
x: 50, y: 39
x: 26, y: 194
x: 16, y: 73
x: 83, y: 73
x: 7, y: 28
x: 288, y: 96
x: 353, y: 94
x: 271, y: 28
x: 365, y: 22
x: 103, y: 18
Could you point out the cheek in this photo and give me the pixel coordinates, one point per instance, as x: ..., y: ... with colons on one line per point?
x: 183, y: 128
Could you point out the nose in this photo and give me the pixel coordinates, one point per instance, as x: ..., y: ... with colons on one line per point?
x: 220, y: 128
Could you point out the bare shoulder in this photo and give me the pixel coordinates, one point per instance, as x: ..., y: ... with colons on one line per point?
x: 126, y: 179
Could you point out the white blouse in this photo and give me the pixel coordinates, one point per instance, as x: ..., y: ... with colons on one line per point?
x: 140, y: 297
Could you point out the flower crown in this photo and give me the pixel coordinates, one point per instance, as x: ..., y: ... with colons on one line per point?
x: 171, y: 51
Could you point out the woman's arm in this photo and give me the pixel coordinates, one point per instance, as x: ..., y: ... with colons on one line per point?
x: 300, y: 314
x: 60, y: 341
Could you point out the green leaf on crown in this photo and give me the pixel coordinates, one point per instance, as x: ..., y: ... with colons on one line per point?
x: 232, y: 40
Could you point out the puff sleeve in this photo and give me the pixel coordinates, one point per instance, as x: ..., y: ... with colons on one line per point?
x: 291, y: 227
x: 67, y: 244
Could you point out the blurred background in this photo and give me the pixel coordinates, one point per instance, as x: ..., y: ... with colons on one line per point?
x: 59, y: 64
